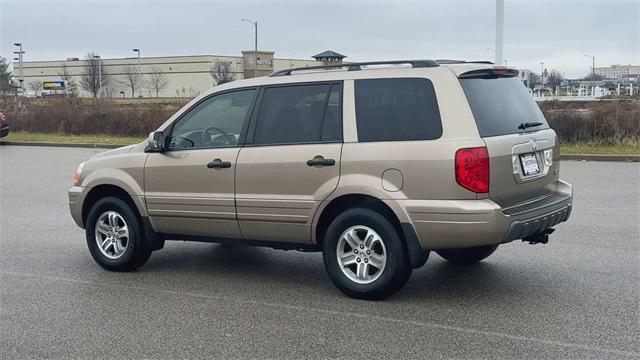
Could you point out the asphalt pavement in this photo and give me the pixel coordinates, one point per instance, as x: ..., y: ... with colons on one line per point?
x: 576, y: 297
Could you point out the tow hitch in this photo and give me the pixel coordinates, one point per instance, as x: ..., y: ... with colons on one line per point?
x: 539, y: 238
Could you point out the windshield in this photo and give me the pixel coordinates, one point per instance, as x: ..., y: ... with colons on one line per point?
x: 502, y: 105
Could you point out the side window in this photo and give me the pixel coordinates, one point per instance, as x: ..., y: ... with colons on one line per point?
x: 396, y: 109
x: 299, y: 114
x: 332, y: 123
x: 215, y: 122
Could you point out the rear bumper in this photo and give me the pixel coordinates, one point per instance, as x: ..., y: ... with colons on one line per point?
x: 447, y: 224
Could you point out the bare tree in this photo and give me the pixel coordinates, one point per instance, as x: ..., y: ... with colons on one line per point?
x: 554, y: 78
x: 65, y: 74
x: 35, y: 85
x: 157, y: 80
x: 95, y: 77
x: 132, y: 78
x: 533, y: 80
x: 5, y: 75
x: 222, y: 72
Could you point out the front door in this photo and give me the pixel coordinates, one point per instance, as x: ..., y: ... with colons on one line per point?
x: 189, y: 188
x: 292, y: 162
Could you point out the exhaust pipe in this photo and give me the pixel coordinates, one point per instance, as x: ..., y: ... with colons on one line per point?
x: 539, y: 238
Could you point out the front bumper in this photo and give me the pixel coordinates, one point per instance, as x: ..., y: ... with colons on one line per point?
x: 75, y: 204
x: 448, y: 224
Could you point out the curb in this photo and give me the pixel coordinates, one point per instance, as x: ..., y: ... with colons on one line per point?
x: 577, y: 157
x: 61, y: 144
x: 600, y: 157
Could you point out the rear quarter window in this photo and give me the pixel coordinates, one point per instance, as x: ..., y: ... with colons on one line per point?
x: 396, y: 110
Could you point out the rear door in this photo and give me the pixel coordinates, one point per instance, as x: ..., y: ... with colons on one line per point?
x: 523, y: 150
x: 291, y: 162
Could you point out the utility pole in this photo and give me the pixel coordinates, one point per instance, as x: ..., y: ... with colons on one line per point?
x: 255, y: 48
x: 20, y: 67
x: 499, y: 31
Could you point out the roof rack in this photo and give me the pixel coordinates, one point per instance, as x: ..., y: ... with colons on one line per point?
x: 358, y: 66
x: 450, y: 61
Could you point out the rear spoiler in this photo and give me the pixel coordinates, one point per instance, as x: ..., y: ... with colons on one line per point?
x: 496, y: 71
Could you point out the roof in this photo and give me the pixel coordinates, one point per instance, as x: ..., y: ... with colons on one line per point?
x: 329, y: 53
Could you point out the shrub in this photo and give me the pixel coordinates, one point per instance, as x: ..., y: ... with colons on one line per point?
x: 77, y: 116
x: 595, y: 121
x: 574, y: 121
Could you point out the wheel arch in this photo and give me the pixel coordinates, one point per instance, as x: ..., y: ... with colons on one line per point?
x: 338, y: 204
x: 103, y: 190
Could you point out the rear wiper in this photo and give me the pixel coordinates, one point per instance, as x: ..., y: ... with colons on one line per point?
x: 529, y: 124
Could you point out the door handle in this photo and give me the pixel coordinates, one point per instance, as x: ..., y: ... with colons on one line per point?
x: 217, y: 163
x: 319, y: 160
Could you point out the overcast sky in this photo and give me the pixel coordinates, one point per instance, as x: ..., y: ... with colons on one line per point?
x: 559, y: 33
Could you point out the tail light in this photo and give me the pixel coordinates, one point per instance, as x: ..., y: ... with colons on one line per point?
x: 472, y: 169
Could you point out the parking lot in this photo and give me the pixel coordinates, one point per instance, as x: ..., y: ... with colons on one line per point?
x: 576, y: 297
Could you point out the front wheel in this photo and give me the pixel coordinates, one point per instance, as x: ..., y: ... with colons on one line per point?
x: 466, y: 256
x: 365, y: 256
x: 114, y: 235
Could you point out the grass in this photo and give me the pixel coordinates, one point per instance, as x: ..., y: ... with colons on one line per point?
x: 621, y: 148
x: 89, y: 139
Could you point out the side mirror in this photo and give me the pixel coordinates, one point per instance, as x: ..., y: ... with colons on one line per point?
x: 156, y: 141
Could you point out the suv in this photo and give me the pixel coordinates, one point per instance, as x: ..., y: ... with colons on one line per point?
x: 374, y: 164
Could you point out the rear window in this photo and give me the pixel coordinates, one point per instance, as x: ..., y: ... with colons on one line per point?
x: 396, y: 109
x: 500, y: 105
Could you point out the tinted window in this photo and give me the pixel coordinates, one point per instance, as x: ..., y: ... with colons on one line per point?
x: 299, y: 114
x: 396, y: 109
x: 500, y: 105
x: 215, y: 122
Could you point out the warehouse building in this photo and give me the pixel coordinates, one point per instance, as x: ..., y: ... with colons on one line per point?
x: 185, y: 76
x: 618, y: 71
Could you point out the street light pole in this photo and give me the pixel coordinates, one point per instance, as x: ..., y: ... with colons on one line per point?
x: 20, y: 67
x: 99, y: 74
x: 499, y: 31
x: 139, y: 64
x: 255, y: 48
x: 542, y: 76
x: 593, y: 73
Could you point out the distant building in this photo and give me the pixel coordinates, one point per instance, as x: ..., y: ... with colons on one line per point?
x: 618, y: 71
x: 186, y: 75
x: 329, y: 57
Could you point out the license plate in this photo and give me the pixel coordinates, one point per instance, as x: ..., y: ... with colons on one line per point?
x: 529, y: 164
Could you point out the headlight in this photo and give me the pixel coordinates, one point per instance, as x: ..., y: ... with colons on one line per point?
x: 548, y: 157
x: 78, y: 175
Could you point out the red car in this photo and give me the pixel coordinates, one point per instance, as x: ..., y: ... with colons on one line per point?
x: 4, y: 126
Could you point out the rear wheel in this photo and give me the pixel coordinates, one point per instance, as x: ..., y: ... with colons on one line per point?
x: 114, y: 235
x: 467, y: 256
x: 365, y: 256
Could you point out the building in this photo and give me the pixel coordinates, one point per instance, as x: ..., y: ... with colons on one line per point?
x: 329, y: 57
x: 185, y: 75
x: 618, y: 71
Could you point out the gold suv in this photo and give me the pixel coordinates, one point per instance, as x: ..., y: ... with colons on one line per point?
x: 374, y: 164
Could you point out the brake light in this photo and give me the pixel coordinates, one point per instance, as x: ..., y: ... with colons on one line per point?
x: 472, y: 169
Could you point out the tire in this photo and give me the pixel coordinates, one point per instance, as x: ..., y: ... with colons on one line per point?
x: 125, y: 253
x: 387, y: 263
x: 467, y: 256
